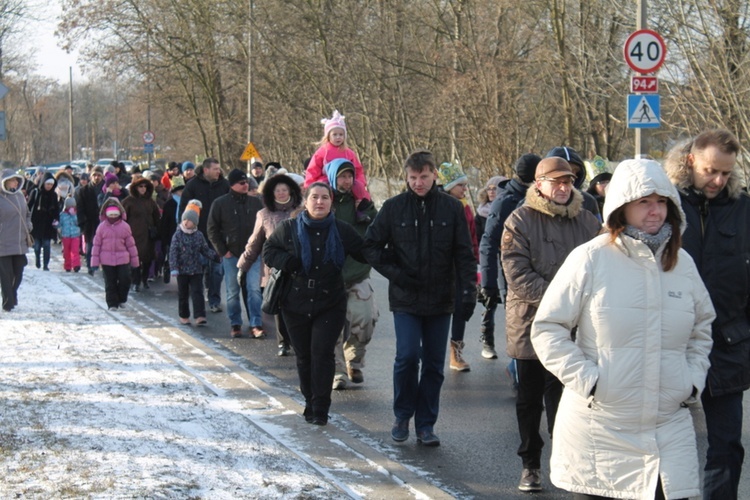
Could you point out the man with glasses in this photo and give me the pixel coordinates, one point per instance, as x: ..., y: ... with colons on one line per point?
x: 230, y: 223
x: 87, y: 204
x: 536, y: 239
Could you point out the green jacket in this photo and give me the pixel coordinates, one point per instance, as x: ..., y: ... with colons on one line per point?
x: 343, y: 207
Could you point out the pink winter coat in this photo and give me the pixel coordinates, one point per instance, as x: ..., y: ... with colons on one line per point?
x: 113, y: 242
x: 326, y: 153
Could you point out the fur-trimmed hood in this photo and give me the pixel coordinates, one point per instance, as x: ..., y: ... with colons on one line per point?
x: 112, y: 202
x: 142, y: 181
x: 270, y: 184
x: 535, y: 200
x: 681, y: 174
x: 10, y: 174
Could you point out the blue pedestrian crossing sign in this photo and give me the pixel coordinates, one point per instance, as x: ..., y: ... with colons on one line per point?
x: 643, y: 111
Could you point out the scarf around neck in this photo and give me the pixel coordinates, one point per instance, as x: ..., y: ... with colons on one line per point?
x: 334, y: 247
x: 653, y: 241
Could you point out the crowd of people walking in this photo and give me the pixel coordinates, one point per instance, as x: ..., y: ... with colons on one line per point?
x: 625, y: 304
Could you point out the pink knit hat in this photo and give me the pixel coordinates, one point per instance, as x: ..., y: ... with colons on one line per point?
x: 336, y: 121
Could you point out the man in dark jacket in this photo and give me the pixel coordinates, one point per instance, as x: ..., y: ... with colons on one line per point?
x: 420, y: 241
x: 717, y: 213
x: 88, y: 210
x: 511, y: 193
x: 206, y: 187
x: 361, y: 311
x: 230, y: 224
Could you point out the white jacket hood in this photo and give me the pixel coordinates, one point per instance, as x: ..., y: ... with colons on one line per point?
x: 634, y: 179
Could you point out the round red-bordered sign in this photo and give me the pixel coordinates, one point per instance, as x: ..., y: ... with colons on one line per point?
x: 645, y: 51
x: 148, y: 137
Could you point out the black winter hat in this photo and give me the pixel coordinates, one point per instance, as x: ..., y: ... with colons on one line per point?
x: 236, y: 176
x: 568, y: 154
x: 525, y: 167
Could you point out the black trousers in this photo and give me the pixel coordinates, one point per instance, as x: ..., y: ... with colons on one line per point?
x: 282, y: 333
x: 538, y: 390
x: 190, y: 287
x: 11, y: 274
x: 116, y: 284
x: 314, y: 339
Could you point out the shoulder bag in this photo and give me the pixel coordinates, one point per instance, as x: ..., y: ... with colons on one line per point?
x: 277, y: 287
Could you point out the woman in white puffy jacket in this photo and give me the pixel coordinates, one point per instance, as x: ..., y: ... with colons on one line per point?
x: 639, y: 356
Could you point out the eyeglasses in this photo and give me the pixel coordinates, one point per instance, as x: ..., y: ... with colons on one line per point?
x: 562, y: 181
x: 492, y: 188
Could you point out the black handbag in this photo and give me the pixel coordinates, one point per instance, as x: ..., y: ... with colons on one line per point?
x: 277, y: 287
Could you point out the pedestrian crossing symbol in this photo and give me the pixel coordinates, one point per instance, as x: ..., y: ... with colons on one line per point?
x: 643, y: 111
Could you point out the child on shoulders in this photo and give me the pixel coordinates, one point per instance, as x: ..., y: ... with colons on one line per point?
x: 331, y: 147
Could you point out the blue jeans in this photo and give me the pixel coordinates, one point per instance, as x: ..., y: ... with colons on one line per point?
x: 213, y: 275
x: 417, y: 392
x: 725, y: 451
x: 42, y: 246
x: 234, y: 294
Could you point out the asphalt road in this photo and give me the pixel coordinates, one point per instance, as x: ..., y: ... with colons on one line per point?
x: 477, y: 424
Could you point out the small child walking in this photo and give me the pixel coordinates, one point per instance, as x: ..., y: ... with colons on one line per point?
x: 114, y: 249
x: 70, y: 234
x: 185, y: 252
x: 331, y: 147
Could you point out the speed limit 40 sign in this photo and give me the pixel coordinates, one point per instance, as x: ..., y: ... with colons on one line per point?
x: 645, y: 51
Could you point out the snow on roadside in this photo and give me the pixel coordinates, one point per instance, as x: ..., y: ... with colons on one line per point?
x: 87, y: 408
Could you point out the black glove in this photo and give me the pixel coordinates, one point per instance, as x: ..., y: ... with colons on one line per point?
x: 364, y: 204
x: 293, y: 264
x: 240, y: 277
x: 407, y: 281
x: 468, y: 309
x: 489, y: 297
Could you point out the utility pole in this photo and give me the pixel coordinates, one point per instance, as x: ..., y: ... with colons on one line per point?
x: 250, y: 122
x: 640, y: 23
x: 70, y: 116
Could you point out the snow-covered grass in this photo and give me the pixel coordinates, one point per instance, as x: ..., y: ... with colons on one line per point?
x: 89, y: 409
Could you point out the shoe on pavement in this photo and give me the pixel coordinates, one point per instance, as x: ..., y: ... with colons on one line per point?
x: 400, y: 430
x: 184, y: 321
x: 201, y: 321
x: 339, y: 382
x: 215, y: 309
x: 488, y: 352
x: 257, y: 332
x: 284, y: 349
x: 319, y: 420
x: 122, y: 305
x: 355, y: 375
x: 457, y: 357
x: 236, y: 331
x: 531, y: 480
x: 112, y: 308
x: 426, y: 437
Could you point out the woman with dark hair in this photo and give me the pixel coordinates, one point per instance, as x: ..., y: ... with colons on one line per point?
x: 312, y: 248
x: 640, y: 354
x: 598, y: 188
x: 281, y: 197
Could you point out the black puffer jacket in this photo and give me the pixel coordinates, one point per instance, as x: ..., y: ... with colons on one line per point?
x: 510, y: 194
x: 321, y: 289
x: 428, y: 239
x: 45, y: 211
x: 717, y: 238
x: 231, y: 221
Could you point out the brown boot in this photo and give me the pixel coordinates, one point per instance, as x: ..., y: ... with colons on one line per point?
x: 457, y: 358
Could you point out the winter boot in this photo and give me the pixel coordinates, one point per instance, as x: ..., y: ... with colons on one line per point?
x: 457, y: 358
